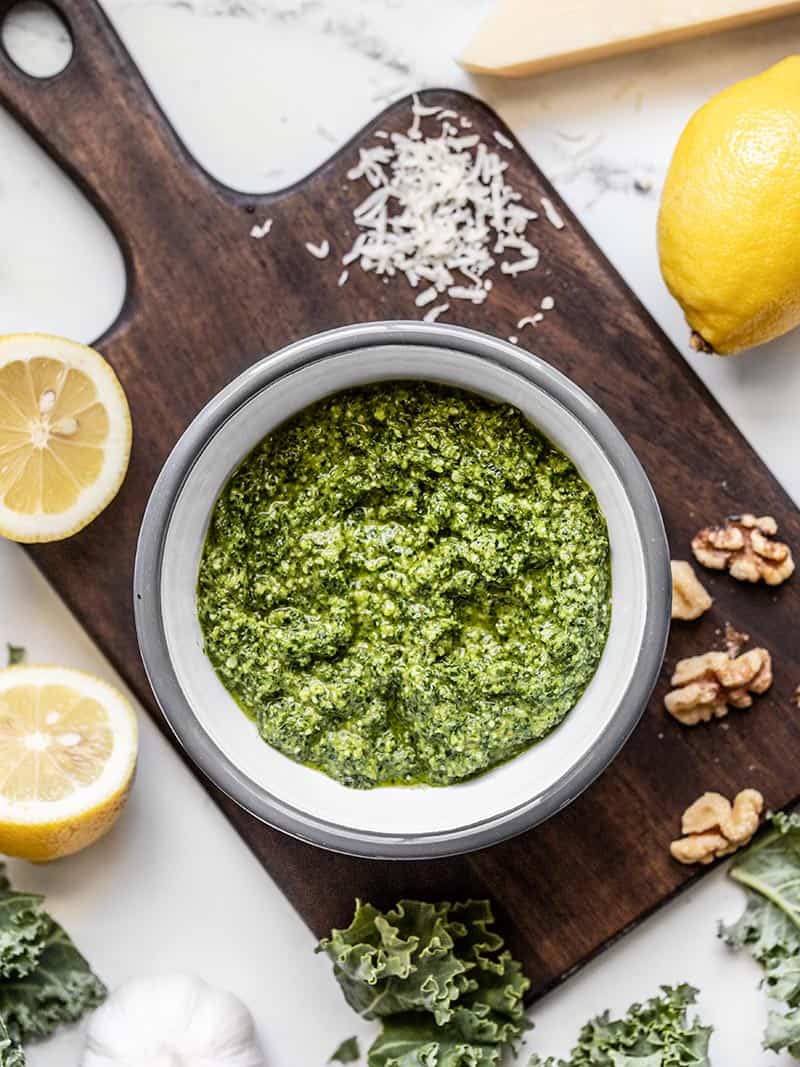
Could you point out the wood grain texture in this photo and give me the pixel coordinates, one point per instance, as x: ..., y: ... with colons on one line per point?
x: 204, y: 301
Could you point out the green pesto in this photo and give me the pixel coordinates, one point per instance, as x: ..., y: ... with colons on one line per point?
x: 405, y: 584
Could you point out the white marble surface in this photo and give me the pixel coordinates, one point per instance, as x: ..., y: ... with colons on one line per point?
x: 262, y: 91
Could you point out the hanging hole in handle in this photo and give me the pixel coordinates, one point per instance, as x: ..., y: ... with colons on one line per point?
x: 36, y: 39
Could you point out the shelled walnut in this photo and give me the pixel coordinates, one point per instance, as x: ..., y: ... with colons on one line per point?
x: 689, y: 598
x: 713, y: 827
x: 705, y: 686
x: 745, y: 547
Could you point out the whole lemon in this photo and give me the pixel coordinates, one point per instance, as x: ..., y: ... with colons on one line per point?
x: 729, y: 224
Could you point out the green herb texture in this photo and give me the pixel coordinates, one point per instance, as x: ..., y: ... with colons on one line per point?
x: 23, y: 929
x: 16, y: 654
x: 769, y: 927
x: 347, y: 1052
x: 59, y: 990
x: 44, y: 980
x: 412, y: 1040
x: 405, y: 584
x: 438, y: 979
x: 11, y: 1054
x: 658, y: 1033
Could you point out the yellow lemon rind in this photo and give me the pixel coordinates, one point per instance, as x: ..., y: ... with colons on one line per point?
x: 52, y: 841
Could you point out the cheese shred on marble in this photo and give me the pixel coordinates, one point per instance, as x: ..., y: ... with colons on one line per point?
x: 439, y: 211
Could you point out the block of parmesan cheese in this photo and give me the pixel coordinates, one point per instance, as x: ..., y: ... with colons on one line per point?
x: 529, y: 36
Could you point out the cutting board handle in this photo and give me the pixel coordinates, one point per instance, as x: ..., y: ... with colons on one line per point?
x: 100, y: 123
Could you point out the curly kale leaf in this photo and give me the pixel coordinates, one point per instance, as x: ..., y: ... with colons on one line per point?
x: 59, y: 990
x: 23, y: 927
x: 401, y: 961
x: 783, y: 1032
x: 347, y: 1052
x: 11, y: 1054
x: 491, y: 1008
x: 414, y: 1040
x: 440, y: 968
x: 773, y: 940
x: 657, y: 1033
x: 769, y: 927
x: 771, y: 867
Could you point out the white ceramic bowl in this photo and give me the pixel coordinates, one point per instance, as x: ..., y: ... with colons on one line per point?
x: 398, y: 822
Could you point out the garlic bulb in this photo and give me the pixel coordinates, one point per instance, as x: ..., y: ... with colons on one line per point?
x: 172, y: 1021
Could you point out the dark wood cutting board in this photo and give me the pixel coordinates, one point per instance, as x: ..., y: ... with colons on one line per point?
x: 204, y: 300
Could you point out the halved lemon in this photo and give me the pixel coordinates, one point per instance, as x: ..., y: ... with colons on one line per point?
x: 65, y: 436
x: 68, y: 744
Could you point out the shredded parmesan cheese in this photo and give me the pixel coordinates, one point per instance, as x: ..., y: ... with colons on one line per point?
x: 261, y: 231
x: 427, y: 297
x: 420, y: 109
x: 476, y: 293
x: 320, y: 251
x: 434, y: 313
x: 520, y: 265
x: 548, y: 303
x: 552, y: 214
x: 343, y: 278
x: 439, y: 210
x: 502, y: 140
x: 530, y: 320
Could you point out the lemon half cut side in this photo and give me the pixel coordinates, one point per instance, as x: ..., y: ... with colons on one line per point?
x: 65, y: 436
x: 68, y: 745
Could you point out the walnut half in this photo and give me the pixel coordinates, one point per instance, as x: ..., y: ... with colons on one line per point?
x: 745, y: 546
x: 705, y: 686
x: 713, y: 827
x: 689, y: 598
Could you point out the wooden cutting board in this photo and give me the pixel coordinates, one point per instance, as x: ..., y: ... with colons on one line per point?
x: 205, y: 300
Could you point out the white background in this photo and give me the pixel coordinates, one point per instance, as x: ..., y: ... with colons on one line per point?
x: 263, y: 90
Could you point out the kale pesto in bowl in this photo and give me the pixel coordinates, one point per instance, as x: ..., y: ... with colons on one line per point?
x: 405, y: 584
x: 420, y: 559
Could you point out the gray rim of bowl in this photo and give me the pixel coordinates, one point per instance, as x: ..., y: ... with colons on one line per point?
x: 176, y: 709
